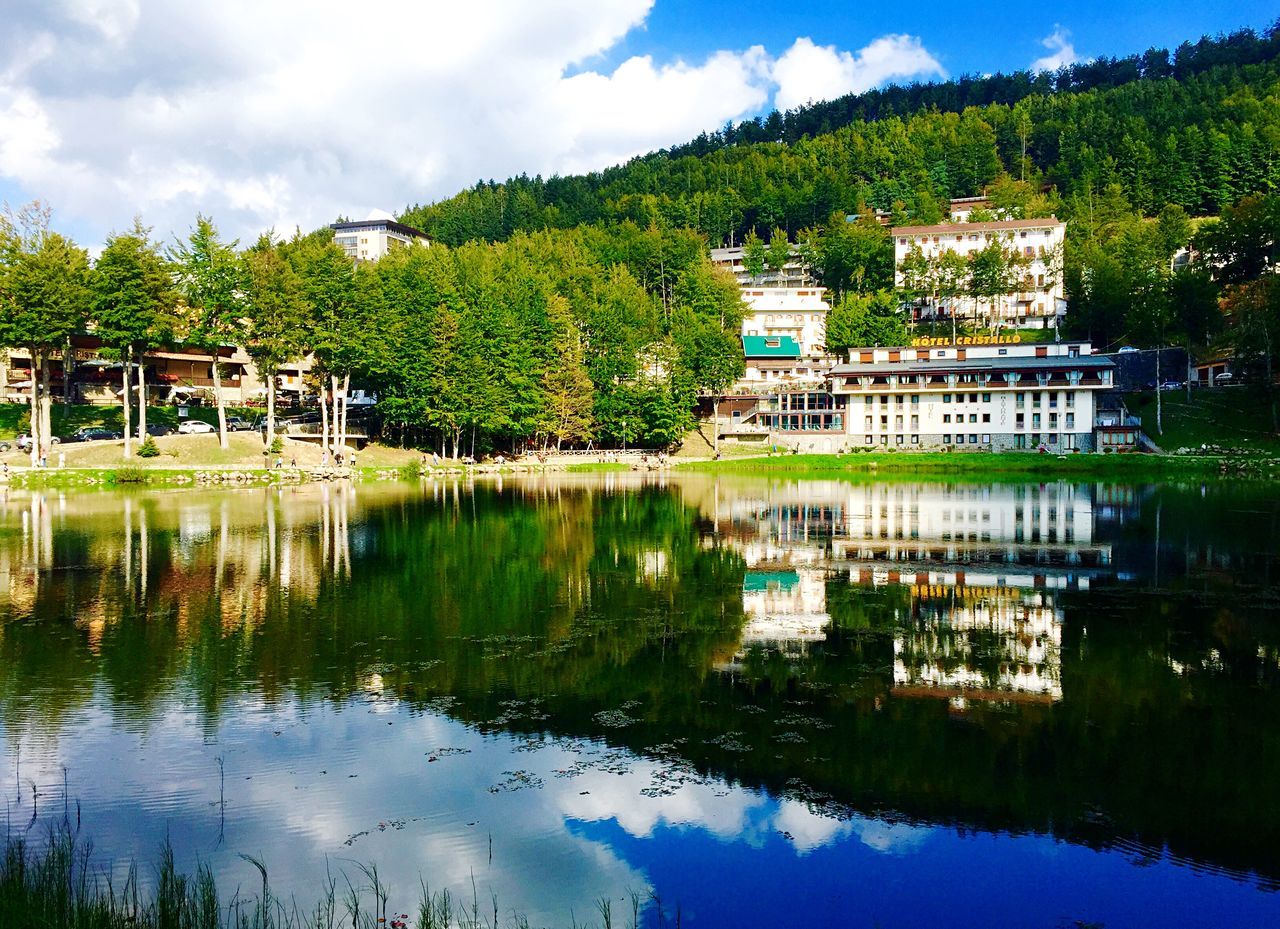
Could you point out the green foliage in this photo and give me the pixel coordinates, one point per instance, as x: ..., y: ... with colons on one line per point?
x: 865, y: 319
x: 277, y: 446
x: 133, y: 299
x: 148, y: 448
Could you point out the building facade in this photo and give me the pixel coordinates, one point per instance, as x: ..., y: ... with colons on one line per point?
x: 794, y: 274
x: 1040, y: 299
x: 993, y: 396
x: 370, y: 239
x: 799, y: 313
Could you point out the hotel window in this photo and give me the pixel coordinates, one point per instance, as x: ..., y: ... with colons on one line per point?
x: 1071, y: 400
x: 946, y: 439
x: 868, y: 423
x: 986, y: 417
x: 1053, y: 420
x: 1071, y: 420
x: 1035, y: 420
x: 915, y: 399
x: 946, y: 398
x: 986, y: 438
x: 915, y: 440
x: 870, y: 399
x: 1053, y: 401
x: 973, y: 438
x: 1019, y: 421
x: 946, y: 417
x: 869, y: 440
x: 959, y: 439
x: 897, y: 422
x: 899, y: 440
x: 884, y: 398
x: 1020, y: 399
x: 884, y: 422
x: 973, y: 417
x: 915, y: 422
x: 986, y: 398
x: 973, y: 398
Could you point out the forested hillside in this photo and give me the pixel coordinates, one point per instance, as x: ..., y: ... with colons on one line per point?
x: 1198, y: 128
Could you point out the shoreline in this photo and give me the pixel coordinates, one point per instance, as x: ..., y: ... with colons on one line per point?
x: 967, y: 465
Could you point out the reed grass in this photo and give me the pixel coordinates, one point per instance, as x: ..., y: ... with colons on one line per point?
x: 56, y: 883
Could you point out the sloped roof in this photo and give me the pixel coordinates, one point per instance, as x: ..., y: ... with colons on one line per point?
x: 770, y: 346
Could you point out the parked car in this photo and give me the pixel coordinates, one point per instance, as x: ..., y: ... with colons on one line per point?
x: 159, y: 429
x: 237, y: 424
x: 1226, y: 378
x: 24, y: 442
x: 1126, y: 349
x: 194, y: 427
x: 1172, y: 385
x: 93, y: 434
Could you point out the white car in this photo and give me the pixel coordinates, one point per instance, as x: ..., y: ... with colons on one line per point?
x: 194, y: 427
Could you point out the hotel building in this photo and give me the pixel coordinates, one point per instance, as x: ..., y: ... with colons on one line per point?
x: 1037, y: 303
x: 371, y: 238
x: 992, y: 396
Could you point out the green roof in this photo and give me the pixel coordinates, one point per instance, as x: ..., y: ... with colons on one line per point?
x: 770, y: 346
x: 755, y: 581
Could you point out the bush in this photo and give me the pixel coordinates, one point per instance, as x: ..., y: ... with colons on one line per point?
x: 129, y: 474
x: 277, y: 446
x: 148, y: 449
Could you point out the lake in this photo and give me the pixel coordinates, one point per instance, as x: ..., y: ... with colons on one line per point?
x: 748, y: 701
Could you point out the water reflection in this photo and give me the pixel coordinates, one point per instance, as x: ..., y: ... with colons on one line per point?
x: 596, y: 672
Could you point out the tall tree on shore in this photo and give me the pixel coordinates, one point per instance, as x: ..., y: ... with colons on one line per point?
x: 208, y: 275
x: 567, y: 385
x: 329, y: 289
x: 132, y: 310
x: 275, y: 311
x: 47, y: 292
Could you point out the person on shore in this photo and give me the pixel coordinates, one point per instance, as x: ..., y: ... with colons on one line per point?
x: 293, y: 461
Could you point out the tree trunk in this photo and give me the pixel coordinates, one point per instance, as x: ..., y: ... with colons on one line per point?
x: 333, y: 384
x: 271, y: 411
x: 1159, y: 398
x: 715, y: 425
x: 324, y: 425
x: 142, y: 399
x: 68, y: 363
x: 346, y: 394
x: 34, y: 430
x: 126, y: 359
x: 217, y: 398
x: 46, y: 406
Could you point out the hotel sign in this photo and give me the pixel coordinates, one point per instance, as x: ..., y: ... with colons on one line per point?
x: 927, y: 341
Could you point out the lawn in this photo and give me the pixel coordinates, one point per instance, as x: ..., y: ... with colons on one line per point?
x: 1226, y: 417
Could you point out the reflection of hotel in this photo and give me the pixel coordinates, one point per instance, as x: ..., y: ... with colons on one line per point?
x: 982, y: 565
x: 984, y: 645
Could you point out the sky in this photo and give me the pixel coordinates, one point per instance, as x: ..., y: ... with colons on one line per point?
x: 284, y: 114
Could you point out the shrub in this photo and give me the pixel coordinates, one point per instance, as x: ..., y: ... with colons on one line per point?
x: 129, y: 474
x: 277, y: 446
x: 148, y: 449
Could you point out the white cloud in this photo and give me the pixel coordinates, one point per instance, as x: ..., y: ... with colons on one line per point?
x: 808, y: 72
x: 1061, y: 51
x: 290, y: 113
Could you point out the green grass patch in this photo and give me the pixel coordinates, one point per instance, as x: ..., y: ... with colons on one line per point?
x: 597, y: 467
x: 968, y: 464
x: 1224, y: 417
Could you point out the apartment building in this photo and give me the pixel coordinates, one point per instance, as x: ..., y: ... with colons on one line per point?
x: 799, y: 313
x: 1040, y: 299
x: 376, y: 235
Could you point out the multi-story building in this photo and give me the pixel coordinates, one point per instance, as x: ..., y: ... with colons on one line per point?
x: 992, y: 396
x: 1040, y: 299
x: 797, y: 312
x: 371, y: 238
x: 794, y: 274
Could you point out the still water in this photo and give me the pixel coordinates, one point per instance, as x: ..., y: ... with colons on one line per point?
x: 759, y: 702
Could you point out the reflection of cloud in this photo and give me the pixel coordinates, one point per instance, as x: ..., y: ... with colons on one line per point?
x: 725, y: 814
x: 805, y: 829
x: 890, y: 838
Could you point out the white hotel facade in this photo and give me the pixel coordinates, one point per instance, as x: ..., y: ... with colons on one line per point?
x: 982, y: 397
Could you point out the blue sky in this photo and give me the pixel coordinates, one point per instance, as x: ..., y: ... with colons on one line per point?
x: 290, y: 113
x: 966, y: 37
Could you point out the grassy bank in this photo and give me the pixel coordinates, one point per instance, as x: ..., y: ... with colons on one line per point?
x: 57, y: 883
x: 1226, y: 417
x: 597, y: 467
x: 968, y: 464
